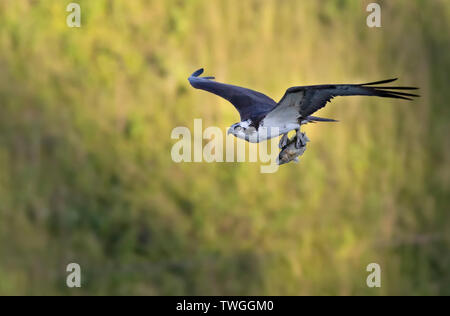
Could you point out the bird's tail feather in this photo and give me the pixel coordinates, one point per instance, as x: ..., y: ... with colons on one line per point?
x: 314, y: 119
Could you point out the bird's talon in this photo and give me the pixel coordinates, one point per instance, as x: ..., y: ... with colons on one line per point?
x: 300, y: 141
x: 283, y: 141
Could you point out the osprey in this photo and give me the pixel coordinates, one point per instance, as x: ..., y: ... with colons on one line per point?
x: 262, y: 118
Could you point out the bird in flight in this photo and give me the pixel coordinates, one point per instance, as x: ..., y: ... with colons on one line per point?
x: 262, y: 118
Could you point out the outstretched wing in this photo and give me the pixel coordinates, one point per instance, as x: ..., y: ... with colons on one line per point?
x: 249, y: 103
x: 300, y: 102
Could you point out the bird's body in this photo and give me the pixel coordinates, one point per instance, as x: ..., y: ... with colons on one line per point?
x: 255, y: 132
x: 262, y: 118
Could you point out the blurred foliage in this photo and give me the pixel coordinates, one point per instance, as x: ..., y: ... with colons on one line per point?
x: 86, y: 174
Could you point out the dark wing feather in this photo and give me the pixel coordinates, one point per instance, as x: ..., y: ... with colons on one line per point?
x: 249, y: 103
x: 303, y: 101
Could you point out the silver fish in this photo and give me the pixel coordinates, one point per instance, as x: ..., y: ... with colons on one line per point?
x: 289, y: 152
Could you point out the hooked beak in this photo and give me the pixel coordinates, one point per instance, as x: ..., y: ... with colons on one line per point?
x: 229, y: 131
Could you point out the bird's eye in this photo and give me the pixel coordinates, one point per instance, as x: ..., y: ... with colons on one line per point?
x: 238, y: 128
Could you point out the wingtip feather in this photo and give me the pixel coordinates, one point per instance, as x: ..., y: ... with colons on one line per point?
x: 197, y: 73
x: 379, y: 82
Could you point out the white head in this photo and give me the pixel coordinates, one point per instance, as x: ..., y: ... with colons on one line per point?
x: 241, y: 129
x: 237, y: 130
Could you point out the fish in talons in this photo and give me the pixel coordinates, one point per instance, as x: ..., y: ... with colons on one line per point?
x: 292, y: 148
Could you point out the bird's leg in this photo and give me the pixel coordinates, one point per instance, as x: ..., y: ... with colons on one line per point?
x: 299, y: 142
x: 283, y: 141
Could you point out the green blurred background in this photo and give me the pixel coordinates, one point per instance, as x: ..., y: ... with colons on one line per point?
x: 86, y: 174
